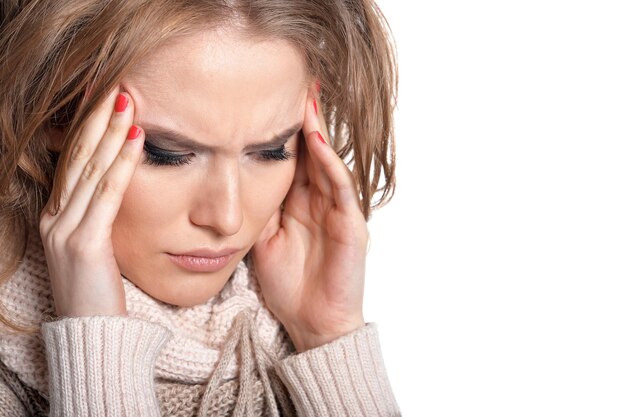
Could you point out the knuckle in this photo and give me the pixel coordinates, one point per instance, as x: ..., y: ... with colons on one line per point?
x: 350, y: 176
x: 126, y: 155
x: 115, y: 128
x: 118, y: 126
x: 43, y: 225
x: 346, y: 185
x: 106, y: 187
x: 91, y: 170
x: 74, y: 244
x: 77, y: 245
x: 53, y: 238
x: 45, y: 213
x: 44, y: 219
x: 343, y: 183
x: 80, y: 151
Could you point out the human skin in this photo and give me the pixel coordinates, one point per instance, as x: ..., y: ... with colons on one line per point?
x: 225, y: 91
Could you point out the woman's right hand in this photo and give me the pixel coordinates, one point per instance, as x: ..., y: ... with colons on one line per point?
x: 84, y: 274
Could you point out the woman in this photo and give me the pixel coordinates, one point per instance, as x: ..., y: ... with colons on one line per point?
x: 180, y: 236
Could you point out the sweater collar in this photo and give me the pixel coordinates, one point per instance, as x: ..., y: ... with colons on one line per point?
x: 198, y: 332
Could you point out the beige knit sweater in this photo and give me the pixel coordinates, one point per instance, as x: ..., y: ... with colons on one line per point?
x: 229, y: 356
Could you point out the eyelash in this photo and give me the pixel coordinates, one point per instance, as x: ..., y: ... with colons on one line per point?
x: 279, y: 154
x: 156, y: 156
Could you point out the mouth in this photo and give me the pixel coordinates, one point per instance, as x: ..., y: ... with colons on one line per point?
x: 203, y: 261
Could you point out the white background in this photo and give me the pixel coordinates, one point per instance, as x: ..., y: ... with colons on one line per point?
x: 497, y: 273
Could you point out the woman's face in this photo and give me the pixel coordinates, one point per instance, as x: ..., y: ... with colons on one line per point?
x: 227, y: 94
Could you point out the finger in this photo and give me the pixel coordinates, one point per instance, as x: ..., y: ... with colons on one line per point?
x: 342, y: 183
x: 341, y: 180
x: 89, y: 137
x: 109, y: 193
x: 106, y: 152
x: 305, y: 170
x: 314, y: 169
x: 320, y: 110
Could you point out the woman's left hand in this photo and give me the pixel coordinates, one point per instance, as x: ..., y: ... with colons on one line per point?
x: 310, y: 259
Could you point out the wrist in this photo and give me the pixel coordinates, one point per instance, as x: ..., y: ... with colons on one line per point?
x: 306, y: 340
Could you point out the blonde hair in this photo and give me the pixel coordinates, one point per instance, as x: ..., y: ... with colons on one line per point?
x: 52, y: 52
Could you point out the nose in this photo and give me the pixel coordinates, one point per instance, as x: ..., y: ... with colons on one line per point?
x: 217, y: 202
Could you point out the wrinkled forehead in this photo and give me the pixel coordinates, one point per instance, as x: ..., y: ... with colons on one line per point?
x: 221, y: 77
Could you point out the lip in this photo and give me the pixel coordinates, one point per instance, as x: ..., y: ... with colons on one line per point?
x: 203, y: 260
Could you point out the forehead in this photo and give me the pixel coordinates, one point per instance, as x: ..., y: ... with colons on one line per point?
x: 220, y: 78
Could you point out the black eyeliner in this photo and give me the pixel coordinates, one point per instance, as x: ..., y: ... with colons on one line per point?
x: 159, y: 157
x: 279, y: 154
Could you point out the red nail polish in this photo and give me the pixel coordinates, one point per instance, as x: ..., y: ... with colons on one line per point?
x: 315, y: 105
x: 318, y: 86
x: 133, y: 133
x: 320, y: 137
x: 121, y: 103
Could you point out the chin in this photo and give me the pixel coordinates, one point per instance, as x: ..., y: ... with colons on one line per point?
x: 182, y: 288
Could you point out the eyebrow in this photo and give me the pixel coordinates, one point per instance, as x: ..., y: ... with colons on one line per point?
x: 164, y: 136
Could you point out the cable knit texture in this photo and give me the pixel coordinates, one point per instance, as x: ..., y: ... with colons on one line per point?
x: 228, y: 356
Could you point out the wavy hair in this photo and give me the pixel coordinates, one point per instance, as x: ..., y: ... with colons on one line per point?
x: 53, y: 52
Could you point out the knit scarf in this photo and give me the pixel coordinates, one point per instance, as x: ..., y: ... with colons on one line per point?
x: 219, y: 361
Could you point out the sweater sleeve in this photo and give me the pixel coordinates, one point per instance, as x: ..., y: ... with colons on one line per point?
x: 103, y: 365
x: 345, y: 377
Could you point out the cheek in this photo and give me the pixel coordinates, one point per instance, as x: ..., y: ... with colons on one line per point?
x: 267, y: 192
x: 144, y: 208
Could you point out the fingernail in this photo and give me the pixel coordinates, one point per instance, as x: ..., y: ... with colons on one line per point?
x: 133, y: 133
x: 318, y: 86
x: 321, y: 138
x: 121, y: 103
x: 315, y: 105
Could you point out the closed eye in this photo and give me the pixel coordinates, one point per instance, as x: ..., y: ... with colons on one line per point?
x: 159, y: 157
x: 279, y: 154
